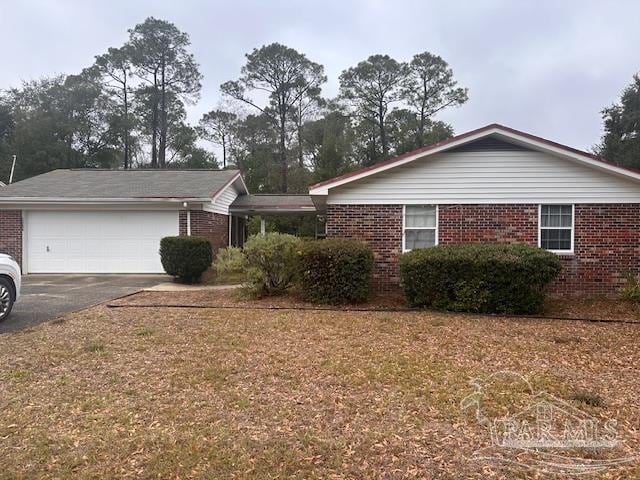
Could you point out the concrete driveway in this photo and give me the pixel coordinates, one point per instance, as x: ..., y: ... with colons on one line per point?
x: 45, y: 297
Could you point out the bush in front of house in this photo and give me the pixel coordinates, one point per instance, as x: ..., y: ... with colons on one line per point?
x: 270, y: 267
x: 185, y: 258
x: 230, y: 265
x: 631, y: 291
x: 335, y: 271
x: 478, y: 278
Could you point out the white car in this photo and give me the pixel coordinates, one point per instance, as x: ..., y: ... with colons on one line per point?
x: 10, y: 280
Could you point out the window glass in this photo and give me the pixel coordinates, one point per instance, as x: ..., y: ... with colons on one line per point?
x: 419, y: 239
x: 556, y: 216
x: 420, y: 216
x: 556, y: 225
x: 420, y: 225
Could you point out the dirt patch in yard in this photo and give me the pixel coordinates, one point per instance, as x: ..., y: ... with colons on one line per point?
x: 238, y: 393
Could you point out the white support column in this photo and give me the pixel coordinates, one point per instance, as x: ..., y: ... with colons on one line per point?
x: 263, y: 226
x: 188, y: 223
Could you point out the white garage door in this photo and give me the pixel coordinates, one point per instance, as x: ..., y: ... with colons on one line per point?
x: 96, y: 242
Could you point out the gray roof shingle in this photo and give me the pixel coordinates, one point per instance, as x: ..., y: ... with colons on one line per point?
x: 117, y: 184
x: 272, y: 203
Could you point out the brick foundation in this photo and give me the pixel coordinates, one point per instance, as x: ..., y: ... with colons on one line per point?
x: 607, y: 239
x: 11, y: 233
x: 213, y: 226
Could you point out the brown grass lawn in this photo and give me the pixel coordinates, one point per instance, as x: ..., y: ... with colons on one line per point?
x: 239, y: 393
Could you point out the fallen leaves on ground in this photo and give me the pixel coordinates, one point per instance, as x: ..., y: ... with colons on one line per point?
x: 242, y: 393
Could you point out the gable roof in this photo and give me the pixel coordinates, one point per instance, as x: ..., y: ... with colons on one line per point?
x: 517, y: 137
x: 94, y: 184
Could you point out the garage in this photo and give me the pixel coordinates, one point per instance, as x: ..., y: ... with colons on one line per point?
x: 94, y: 221
x: 96, y: 241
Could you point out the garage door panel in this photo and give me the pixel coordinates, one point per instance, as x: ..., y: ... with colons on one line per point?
x: 97, y: 242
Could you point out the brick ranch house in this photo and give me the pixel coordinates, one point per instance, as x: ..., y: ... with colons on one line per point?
x: 494, y: 184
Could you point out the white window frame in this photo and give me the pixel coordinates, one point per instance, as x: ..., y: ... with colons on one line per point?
x: 404, y: 229
x: 573, y: 230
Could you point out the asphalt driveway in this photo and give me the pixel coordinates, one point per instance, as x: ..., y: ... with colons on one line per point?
x: 45, y: 297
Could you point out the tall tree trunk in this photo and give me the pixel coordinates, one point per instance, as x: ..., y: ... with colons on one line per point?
x: 127, y: 162
x: 421, y: 127
x: 163, y: 121
x: 300, y: 151
x: 224, y: 151
x: 383, y: 133
x: 154, y: 124
x: 283, y: 155
x: 423, y: 108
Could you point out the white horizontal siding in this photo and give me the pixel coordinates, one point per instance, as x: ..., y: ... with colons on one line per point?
x: 488, y: 177
x: 222, y: 202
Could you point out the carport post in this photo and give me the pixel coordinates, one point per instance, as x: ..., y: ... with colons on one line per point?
x: 186, y: 206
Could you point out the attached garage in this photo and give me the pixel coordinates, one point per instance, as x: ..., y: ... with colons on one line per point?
x: 96, y: 241
x: 94, y: 221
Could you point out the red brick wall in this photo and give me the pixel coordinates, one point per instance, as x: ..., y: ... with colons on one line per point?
x: 380, y: 226
x: 607, y: 238
x: 607, y: 247
x: 11, y: 233
x: 213, y: 226
x: 488, y: 223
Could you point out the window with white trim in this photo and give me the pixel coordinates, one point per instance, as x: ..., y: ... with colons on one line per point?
x: 556, y: 228
x: 420, y: 226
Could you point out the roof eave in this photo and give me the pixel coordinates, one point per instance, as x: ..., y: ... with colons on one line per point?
x: 236, y: 179
x: 84, y: 200
x: 265, y: 210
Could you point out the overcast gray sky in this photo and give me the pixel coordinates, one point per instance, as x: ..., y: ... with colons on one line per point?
x: 545, y: 66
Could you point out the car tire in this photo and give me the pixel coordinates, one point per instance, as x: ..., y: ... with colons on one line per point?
x: 7, y: 298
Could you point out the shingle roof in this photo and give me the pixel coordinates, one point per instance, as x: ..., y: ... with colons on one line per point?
x: 117, y: 184
x: 272, y: 203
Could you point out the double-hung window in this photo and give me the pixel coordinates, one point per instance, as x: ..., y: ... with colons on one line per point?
x: 556, y: 228
x: 420, y: 226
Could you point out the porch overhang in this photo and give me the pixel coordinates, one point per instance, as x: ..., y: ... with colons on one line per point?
x: 268, y: 204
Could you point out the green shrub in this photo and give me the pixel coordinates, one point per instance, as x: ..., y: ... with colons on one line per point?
x: 230, y: 261
x: 478, y: 278
x: 185, y: 258
x: 335, y: 271
x: 631, y: 291
x: 270, y: 263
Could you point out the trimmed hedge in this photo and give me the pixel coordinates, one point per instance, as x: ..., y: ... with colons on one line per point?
x: 185, y: 258
x: 478, y: 278
x: 335, y: 271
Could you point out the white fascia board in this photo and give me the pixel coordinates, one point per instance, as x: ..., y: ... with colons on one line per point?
x: 96, y: 204
x: 269, y: 211
x: 97, y: 200
x: 243, y: 186
x: 237, y: 178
